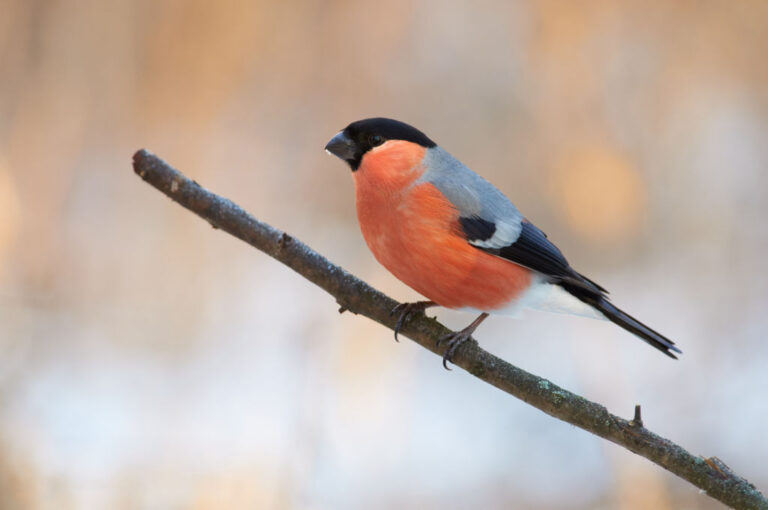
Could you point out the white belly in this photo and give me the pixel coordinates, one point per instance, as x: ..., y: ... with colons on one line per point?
x: 547, y: 297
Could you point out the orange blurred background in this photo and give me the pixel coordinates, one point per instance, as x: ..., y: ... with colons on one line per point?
x: 152, y: 362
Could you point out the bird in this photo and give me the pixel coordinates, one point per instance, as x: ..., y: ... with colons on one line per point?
x: 457, y: 240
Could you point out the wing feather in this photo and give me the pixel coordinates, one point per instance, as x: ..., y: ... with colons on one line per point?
x: 491, y: 223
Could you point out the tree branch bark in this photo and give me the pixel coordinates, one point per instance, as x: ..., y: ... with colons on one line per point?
x: 709, y: 474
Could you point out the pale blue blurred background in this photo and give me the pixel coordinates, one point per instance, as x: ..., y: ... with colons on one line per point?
x: 151, y: 362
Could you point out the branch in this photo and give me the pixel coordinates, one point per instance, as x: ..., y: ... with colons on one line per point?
x: 709, y: 474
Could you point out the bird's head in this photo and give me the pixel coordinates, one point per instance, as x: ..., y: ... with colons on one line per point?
x: 377, y: 135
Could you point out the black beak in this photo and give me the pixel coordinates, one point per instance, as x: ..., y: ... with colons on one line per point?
x: 341, y: 146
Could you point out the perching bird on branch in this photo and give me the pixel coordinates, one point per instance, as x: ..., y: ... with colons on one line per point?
x: 453, y: 237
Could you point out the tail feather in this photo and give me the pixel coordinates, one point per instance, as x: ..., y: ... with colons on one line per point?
x: 633, y: 325
x: 592, y: 294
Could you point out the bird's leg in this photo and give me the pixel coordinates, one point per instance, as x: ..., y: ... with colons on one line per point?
x: 454, y: 340
x: 406, y: 310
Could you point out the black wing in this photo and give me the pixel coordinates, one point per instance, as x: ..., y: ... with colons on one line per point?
x: 533, y: 250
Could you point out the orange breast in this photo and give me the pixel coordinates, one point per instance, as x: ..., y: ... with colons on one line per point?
x: 413, y: 231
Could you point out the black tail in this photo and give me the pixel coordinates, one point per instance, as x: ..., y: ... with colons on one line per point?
x: 633, y: 325
x: 592, y: 294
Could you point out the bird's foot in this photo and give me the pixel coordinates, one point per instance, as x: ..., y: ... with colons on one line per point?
x: 456, y: 339
x: 452, y: 343
x: 406, y: 310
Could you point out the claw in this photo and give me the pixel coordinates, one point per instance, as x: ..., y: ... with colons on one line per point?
x: 406, y: 310
x: 455, y: 340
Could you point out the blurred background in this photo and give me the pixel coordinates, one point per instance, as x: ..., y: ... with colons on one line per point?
x: 151, y: 362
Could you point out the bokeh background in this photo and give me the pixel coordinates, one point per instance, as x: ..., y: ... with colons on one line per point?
x: 148, y: 361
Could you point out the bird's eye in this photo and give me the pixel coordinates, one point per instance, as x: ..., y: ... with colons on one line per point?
x: 375, y: 140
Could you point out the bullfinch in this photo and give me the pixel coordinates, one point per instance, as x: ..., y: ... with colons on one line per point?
x: 457, y: 240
